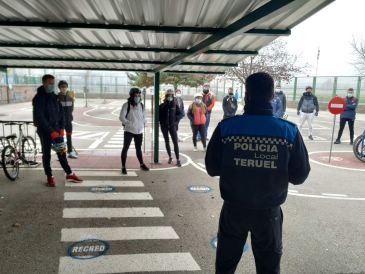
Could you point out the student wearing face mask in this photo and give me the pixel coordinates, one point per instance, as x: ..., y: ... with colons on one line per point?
x: 170, y: 114
x: 230, y: 105
x: 308, y: 107
x: 209, y: 101
x: 180, y: 104
x: 132, y: 116
x: 281, y: 95
x: 66, y: 98
x: 348, y: 116
x: 197, y: 115
x: 48, y: 117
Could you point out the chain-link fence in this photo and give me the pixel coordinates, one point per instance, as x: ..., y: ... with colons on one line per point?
x: 20, y: 85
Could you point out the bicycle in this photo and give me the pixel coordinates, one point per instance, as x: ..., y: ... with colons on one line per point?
x: 359, y: 147
x: 21, y: 150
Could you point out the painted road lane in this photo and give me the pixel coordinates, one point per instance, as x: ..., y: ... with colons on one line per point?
x: 119, y: 233
x: 88, y: 196
x: 88, y: 183
x: 158, y: 262
x: 104, y: 173
x: 105, y: 212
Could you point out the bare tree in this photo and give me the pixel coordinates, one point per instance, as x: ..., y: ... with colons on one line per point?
x: 273, y: 59
x: 358, y: 47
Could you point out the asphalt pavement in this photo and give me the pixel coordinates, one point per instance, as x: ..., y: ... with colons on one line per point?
x: 166, y: 220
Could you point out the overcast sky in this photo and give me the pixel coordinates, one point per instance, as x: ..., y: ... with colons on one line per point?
x: 330, y: 29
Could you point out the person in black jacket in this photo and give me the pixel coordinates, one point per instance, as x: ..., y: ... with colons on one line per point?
x: 255, y: 155
x: 49, y: 119
x: 66, y: 98
x: 170, y: 115
x: 180, y: 104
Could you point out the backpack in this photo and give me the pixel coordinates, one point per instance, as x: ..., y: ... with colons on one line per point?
x: 129, y: 109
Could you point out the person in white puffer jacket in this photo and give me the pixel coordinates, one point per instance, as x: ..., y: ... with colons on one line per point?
x: 132, y: 116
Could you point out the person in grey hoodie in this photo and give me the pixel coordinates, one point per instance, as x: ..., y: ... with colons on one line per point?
x: 348, y: 116
x: 308, y: 108
x: 282, y: 97
x: 230, y: 105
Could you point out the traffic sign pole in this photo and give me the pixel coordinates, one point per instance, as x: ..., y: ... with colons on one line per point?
x: 333, y: 133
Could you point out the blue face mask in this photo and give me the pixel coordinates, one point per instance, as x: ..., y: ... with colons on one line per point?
x: 50, y: 89
x: 137, y: 99
x: 169, y: 98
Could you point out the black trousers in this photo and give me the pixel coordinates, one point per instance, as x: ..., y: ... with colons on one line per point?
x: 128, y: 137
x: 173, y: 133
x: 68, y: 129
x: 265, y: 227
x: 201, y: 130
x: 46, y: 143
x: 342, y: 127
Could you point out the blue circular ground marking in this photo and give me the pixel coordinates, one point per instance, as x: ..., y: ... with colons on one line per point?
x: 214, y: 243
x: 88, y: 249
x: 200, y: 189
x: 102, y: 189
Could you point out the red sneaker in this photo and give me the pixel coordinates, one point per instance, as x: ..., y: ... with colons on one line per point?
x: 72, y: 178
x: 51, y: 182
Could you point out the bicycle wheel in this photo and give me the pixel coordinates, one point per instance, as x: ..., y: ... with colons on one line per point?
x: 359, y: 148
x: 29, y: 150
x: 10, y: 163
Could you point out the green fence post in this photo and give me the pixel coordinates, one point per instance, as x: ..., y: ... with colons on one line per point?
x: 157, y: 103
x: 295, y: 88
x: 314, y: 85
x: 358, y: 88
x: 334, y: 91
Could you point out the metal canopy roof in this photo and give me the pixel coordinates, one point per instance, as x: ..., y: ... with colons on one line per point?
x: 206, y: 36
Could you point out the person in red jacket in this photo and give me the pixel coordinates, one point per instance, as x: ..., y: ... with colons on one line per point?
x: 209, y: 101
x: 197, y: 116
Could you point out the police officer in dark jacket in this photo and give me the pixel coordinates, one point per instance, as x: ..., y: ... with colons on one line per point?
x: 170, y: 115
x: 66, y: 98
x: 255, y: 155
x: 48, y: 117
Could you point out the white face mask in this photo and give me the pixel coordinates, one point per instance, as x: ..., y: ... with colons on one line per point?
x: 349, y: 94
x: 277, y: 90
x: 178, y: 94
x: 198, y: 101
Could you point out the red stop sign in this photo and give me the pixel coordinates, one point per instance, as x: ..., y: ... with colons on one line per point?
x: 336, y: 105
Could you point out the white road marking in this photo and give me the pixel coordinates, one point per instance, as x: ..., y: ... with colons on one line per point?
x: 101, y: 173
x: 113, y: 212
x: 87, y: 183
x: 119, y: 233
x: 115, y: 142
x: 327, y: 197
x: 98, y: 141
x: 202, y: 165
x: 293, y: 191
x: 89, y: 196
x: 116, y: 139
x: 113, y: 146
x: 148, y: 262
x: 333, y: 166
x: 334, y: 195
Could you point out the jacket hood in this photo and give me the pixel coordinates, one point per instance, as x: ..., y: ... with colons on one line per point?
x: 258, y: 108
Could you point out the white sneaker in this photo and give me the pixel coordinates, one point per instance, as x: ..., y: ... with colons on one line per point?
x: 195, y: 149
x: 72, y: 155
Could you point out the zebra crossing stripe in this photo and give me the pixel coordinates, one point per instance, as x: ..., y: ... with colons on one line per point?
x: 149, y: 262
x: 119, y: 233
x: 101, y: 173
x: 107, y: 183
x: 89, y: 196
x: 113, y: 212
x: 115, y: 142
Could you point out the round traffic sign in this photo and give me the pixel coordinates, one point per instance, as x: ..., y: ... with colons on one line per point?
x: 336, y: 105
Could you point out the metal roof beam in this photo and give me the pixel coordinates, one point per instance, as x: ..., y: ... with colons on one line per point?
x: 117, y: 61
x: 115, y: 48
x: 110, y: 69
x: 236, y: 27
x: 132, y: 28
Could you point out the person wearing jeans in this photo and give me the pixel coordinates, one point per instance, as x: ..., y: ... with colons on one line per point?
x: 132, y: 116
x: 348, y: 116
x: 197, y: 116
x: 49, y: 119
x: 209, y: 101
